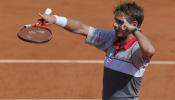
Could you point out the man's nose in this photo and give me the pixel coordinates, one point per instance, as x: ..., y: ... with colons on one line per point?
x: 115, y: 25
x: 118, y: 26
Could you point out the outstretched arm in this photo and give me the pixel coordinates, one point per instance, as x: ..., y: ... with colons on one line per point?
x: 99, y: 38
x: 71, y: 25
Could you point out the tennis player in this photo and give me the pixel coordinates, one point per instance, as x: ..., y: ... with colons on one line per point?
x: 128, y: 50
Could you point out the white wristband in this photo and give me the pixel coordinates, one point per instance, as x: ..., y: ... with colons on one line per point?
x: 61, y: 21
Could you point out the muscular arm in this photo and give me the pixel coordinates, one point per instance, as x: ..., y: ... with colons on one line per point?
x: 146, y: 46
x: 99, y: 38
x: 71, y: 25
x: 77, y: 27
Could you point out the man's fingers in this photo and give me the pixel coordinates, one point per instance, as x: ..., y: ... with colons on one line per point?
x: 48, y: 18
x: 41, y: 15
x: 44, y: 17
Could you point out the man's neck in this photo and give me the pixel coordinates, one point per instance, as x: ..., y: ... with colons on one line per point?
x: 123, y: 41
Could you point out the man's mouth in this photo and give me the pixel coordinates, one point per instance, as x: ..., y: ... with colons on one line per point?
x: 119, y: 31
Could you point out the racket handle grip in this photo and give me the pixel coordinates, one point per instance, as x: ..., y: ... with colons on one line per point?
x: 48, y: 11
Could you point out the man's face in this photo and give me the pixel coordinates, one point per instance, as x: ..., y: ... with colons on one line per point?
x: 120, y: 29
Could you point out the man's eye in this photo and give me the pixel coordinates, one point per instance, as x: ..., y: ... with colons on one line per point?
x: 120, y: 22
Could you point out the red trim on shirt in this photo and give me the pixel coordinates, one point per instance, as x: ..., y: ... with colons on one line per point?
x: 126, y: 46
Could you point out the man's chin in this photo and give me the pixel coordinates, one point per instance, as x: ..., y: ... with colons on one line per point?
x: 121, y: 37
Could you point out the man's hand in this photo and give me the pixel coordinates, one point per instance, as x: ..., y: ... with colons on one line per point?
x: 49, y: 18
x: 129, y: 26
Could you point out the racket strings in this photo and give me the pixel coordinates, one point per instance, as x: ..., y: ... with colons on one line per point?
x: 35, y: 34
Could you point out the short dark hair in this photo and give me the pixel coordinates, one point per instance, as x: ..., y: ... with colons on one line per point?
x: 133, y: 11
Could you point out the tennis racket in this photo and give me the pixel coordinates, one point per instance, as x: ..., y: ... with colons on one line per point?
x: 37, y: 32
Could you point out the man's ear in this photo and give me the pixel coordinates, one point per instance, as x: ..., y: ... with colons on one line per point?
x: 135, y: 23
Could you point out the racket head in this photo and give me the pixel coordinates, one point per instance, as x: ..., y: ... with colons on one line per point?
x: 35, y: 34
